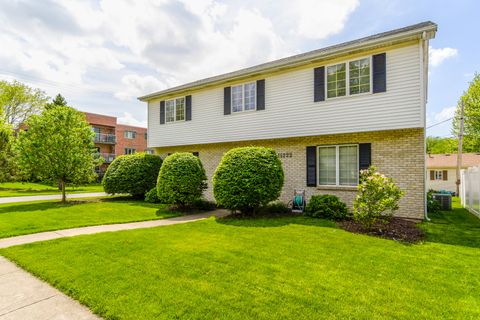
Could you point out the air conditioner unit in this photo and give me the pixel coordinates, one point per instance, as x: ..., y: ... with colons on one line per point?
x: 445, y: 200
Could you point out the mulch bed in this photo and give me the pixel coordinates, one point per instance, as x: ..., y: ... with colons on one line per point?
x: 397, y: 229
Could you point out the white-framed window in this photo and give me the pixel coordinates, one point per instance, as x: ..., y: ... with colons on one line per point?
x: 149, y: 151
x: 244, y: 97
x: 130, y: 150
x: 349, y: 78
x: 338, y: 165
x: 336, y: 80
x: 438, y: 174
x: 130, y: 134
x: 175, y: 109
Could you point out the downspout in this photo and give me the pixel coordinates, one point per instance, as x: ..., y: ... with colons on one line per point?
x: 424, y: 102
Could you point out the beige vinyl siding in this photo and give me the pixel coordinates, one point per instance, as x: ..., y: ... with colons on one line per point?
x: 291, y: 112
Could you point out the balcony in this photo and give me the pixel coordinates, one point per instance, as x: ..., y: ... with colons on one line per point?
x: 108, y: 157
x: 107, y: 138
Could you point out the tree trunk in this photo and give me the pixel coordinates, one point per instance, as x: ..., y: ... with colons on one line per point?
x: 64, y: 198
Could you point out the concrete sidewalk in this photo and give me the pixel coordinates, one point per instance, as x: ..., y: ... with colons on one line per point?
x: 49, y: 235
x: 52, y: 197
x: 22, y: 296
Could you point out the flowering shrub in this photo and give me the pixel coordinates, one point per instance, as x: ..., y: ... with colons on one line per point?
x: 377, y: 198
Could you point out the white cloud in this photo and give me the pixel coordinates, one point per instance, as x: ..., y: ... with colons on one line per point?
x: 437, y: 56
x: 122, y: 49
x: 320, y: 19
x: 135, y: 85
x: 129, y: 119
x: 444, y: 114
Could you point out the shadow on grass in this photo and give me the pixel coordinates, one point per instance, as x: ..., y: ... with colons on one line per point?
x: 457, y: 227
x: 274, y: 221
x: 42, y: 206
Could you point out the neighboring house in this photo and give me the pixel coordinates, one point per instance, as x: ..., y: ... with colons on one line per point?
x: 442, y: 168
x: 328, y: 113
x: 113, y: 139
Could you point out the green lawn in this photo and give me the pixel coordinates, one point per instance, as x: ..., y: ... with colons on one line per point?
x: 31, y: 217
x: 17, y: 189
x: 292, y: 267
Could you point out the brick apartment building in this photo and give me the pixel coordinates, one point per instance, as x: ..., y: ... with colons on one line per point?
x: 113, y: 139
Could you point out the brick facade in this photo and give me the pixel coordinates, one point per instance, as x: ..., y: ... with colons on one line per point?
x: 113, y: 141
x: 139, y: 143
x: 396, y: 153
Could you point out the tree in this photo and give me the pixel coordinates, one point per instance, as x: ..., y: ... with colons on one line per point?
x: 19, y: 101
x: 58, y: 101
x: 58, y: 147
x: 471, y: 101
x: 436, y: 145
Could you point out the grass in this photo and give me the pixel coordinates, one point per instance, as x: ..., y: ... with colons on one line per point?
x: 18, y: 189
x: 31, y: 217
x: 291, y: 267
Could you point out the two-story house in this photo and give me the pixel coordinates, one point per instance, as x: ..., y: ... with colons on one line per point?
x: 328, y: 113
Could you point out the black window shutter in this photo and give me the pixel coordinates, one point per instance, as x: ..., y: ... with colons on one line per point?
x: 261, y: 94
x: 188, y: 108
x: 227, y: 103
x: 311, y: 166
x: 162, y: 112
x: 365, y: 155
x: 319, y: 84
x: 196, y: 154
x: 379, y: 62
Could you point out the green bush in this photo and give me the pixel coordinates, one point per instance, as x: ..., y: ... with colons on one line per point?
x: 152, y: 196
x: 134, y: 174
x: 248, y: 178
x: 326, y: 206
x: 181, y: 180
x: 275, y: 208
x: 377, y: 198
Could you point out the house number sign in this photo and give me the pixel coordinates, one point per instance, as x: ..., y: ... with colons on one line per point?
x: 284, y: 155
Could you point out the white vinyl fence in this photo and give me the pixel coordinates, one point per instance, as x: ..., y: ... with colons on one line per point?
x: 470, y: 189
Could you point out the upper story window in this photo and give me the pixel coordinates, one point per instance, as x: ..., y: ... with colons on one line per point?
x: 97, y: 130
x: 130, y: 134
x: 175, y: 110
x: 338, y: 165
x: 145, y: 135
x: 244, y: 97
x: 438, y: 175
x: 348, y: 78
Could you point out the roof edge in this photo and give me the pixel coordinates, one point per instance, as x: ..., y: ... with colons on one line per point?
x: 420, y: 29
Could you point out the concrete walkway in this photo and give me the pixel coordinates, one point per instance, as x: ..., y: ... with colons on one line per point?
x: 52, y: 197
x: 49, y: 235
x: 24, y: 297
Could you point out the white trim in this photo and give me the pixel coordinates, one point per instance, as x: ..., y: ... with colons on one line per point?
x: 337, y: 164
x: 347, y: 78
x: 243, y: 97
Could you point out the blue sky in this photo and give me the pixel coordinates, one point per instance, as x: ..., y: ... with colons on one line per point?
x: 101, y: 55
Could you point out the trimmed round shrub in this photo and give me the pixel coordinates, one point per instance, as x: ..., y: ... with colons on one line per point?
x: 181, y: 180
x: 326, y: 206
x: 134, y: 174
x: 152, y: 196
x: 248, y: 178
